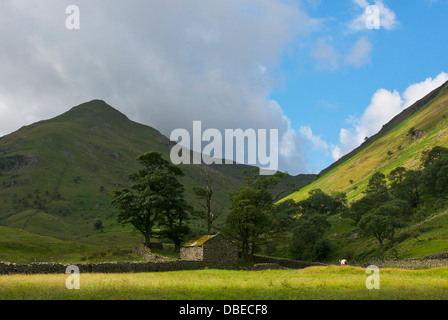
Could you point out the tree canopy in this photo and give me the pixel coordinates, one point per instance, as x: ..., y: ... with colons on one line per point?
x: 155, y: 197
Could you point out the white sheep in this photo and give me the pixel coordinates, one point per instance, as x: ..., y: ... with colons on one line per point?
x: 343, y: 262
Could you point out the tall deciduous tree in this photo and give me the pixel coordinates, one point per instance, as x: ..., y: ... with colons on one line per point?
x: 378, y: 225
x: 250, y: 221
x: 308, y: 231
x: 155, y: 192
x: 377, y: 183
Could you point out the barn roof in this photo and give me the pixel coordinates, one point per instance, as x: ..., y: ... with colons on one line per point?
x: 198, y: 241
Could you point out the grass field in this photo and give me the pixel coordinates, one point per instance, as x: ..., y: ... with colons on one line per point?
x: 316, y: 283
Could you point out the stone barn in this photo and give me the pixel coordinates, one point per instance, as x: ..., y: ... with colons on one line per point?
x: 215, y: 251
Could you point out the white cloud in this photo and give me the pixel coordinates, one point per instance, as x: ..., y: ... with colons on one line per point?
x: 336, y: 152
x: 383, y: 107
x: 388, y: 18
x: 325, y: 55
x: 417, y: 91
x: 360, y: 53
x: 315, y: 3
x: 328, y: 58
x: 317, y: 142
x: 262, y: 69
x: 362, y: 3
x: 163, y: 63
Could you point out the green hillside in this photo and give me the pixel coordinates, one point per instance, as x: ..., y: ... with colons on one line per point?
x: 392, y: 147
x: 400, y: 143
x: 24, y: 247
x: 57, y: 176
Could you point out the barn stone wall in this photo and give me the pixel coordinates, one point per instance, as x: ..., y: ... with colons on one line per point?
x: 220, y: 252
x: 191, y: 253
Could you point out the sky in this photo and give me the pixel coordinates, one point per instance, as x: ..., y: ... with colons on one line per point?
x: 324, y: 73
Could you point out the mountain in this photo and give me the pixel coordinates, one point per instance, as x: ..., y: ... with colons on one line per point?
x: 57, y: 176
x: 399, y: 143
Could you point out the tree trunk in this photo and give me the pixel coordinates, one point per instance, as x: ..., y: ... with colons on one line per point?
x: 245, y: 251
x: 148, y: 240
x: 209, y: 224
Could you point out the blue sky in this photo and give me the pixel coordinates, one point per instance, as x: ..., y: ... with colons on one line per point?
x: 309, y: 68
x: 324, y: 97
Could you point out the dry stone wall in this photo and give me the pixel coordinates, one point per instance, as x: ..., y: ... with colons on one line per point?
x: 432, y: 261
x: 191, y: 253
x: 290, y: 264
x: 220, y: 252
x: 105, y: 267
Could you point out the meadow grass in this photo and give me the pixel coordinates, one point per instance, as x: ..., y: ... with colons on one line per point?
x: 316, y: 283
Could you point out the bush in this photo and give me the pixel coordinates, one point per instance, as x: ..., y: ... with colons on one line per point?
x: 321, y: 250
x: 98, y: 225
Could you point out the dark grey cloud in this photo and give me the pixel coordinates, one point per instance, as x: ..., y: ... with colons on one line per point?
x: 163, y: 63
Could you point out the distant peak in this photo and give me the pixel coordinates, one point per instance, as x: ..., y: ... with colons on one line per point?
x: 93, y: 104
x: 99, y: 100
x: 96, y: 107
x: 94, y: 112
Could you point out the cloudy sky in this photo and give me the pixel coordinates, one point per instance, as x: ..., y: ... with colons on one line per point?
x: 311, y: 69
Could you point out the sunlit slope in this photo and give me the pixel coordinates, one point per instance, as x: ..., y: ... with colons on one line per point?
x: 393, y: 146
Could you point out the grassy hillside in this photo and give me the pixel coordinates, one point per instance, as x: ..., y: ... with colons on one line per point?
x: 68, y: 167
x: 24, y: 247
x: 400, y: 143
x: 413, y: 241
x: 390, y: 148
x: 57, y: 176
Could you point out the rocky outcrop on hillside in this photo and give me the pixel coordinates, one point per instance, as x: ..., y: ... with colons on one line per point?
x: 147, y: 255
x: 17, y: 162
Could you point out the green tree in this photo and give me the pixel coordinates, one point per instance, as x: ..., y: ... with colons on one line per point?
x: 410, y: 188
x: 376, y: 224
x: 375, y: 195
x: 362, y: 206
x: 429, y: 156
x: 173, y: 223
x: 155, y: 191
x: 359, y: 208
x: 398, y: 210
x: 98, y: 225
x: 377, y: 183
x: 323, y: 203
x: 435, y: 177
x: 250, y: 221
x: 308, y: 230
x: 397, y: 175
x: 321, y: 249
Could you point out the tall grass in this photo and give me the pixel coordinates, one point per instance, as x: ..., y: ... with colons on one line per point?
x: 317, y: 283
